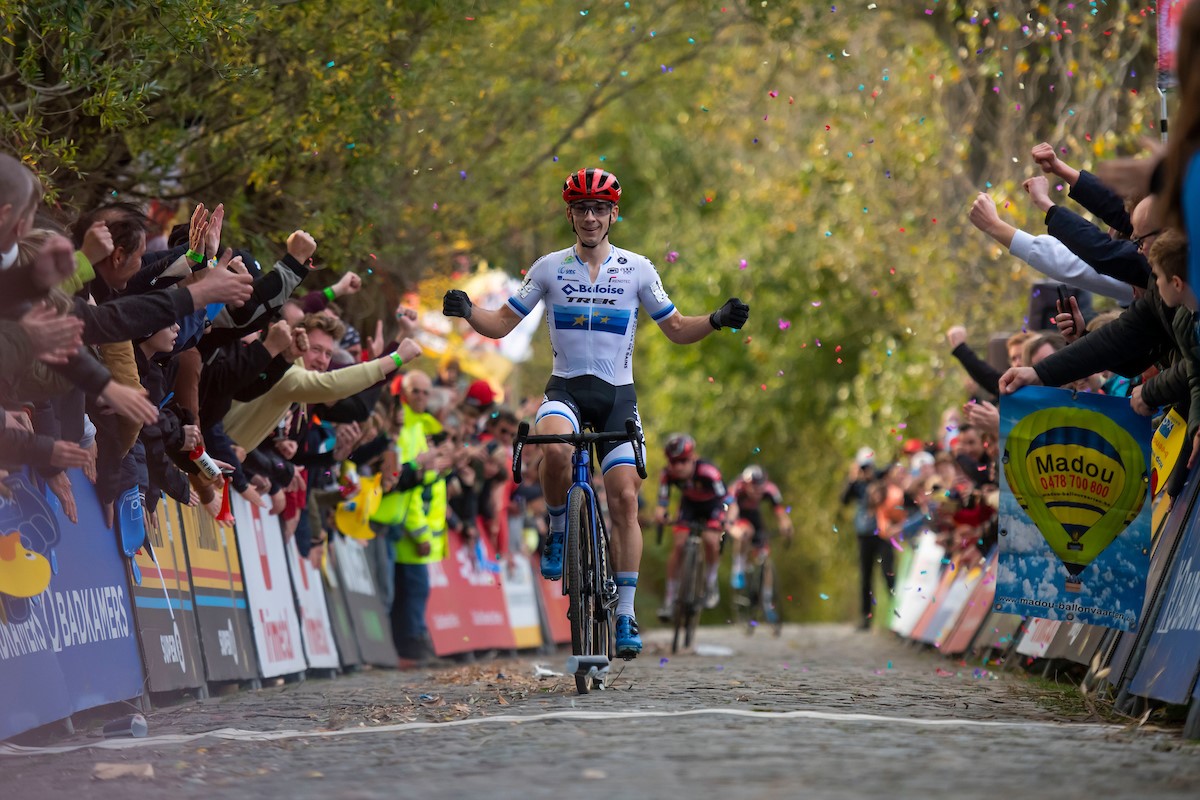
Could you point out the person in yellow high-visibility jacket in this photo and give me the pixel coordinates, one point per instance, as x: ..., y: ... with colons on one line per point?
x: 419, y: 537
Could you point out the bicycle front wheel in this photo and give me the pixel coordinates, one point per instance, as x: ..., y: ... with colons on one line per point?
x: 699, y: 594
x: 579, y: 590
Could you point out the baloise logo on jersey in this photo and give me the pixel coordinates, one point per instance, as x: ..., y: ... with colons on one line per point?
x: 582, y: 293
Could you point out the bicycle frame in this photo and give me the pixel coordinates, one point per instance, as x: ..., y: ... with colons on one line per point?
x: 593, y: 594
x: 599, y: 543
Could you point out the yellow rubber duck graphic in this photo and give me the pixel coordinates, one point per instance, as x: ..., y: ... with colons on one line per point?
x: 23, y: 573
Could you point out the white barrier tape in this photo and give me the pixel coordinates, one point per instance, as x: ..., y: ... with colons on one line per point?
x: 238, y: 735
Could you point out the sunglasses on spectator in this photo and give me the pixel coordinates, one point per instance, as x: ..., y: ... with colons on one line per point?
x: 600, y: 210
x: 1138, y: 240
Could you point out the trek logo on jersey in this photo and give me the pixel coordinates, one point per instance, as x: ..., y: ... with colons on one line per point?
x: 596, y: 301
x: 583, y: 288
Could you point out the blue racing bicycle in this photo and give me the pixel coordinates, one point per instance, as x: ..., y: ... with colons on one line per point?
x: 588, y: 579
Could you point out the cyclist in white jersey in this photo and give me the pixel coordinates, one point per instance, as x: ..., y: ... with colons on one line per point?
x: 592, y: 292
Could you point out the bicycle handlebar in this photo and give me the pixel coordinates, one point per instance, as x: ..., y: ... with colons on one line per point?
x: 579, y: 441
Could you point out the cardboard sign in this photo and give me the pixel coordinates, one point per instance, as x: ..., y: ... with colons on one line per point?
x: 315, y: 628
x: 273, y: 616
x: 70, y: 645
x: 220, y: 598
x: 162, y: 605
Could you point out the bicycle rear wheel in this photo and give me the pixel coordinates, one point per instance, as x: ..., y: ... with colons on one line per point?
x: 685, y: 605
x: 579, y: 590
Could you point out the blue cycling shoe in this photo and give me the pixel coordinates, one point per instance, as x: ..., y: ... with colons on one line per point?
x: 552, y: 556
x: 629, y: 640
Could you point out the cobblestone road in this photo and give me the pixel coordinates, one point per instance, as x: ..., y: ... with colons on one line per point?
x: 870, y: 717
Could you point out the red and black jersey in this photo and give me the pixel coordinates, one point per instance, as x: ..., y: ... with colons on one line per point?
x: 746, y: 500
x: 704, y: 485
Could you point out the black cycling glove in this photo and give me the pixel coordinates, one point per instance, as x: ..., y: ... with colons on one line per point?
x: 731, y: 315
x: 456, y: 304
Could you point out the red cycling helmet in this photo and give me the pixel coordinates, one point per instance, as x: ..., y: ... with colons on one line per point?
x: 679, y: 446
x: 591, y: 184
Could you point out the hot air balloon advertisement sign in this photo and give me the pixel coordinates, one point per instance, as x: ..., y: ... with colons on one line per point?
x: 1074, y: 518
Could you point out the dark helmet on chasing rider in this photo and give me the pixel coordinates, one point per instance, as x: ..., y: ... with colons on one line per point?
x: 679, y: 446
x: 754, y: 474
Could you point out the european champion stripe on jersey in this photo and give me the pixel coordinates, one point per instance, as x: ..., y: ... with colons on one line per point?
x: 605, y: 320
x: 592, y: 323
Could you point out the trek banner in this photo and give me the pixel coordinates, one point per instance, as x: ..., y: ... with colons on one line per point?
x: 1074, y: 521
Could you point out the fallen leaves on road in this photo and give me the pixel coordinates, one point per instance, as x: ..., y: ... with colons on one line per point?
x: 104, y: 771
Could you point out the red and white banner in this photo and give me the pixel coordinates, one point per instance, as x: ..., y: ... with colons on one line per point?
x: 466, y: 610
x: 1039, y: 633
x: 316, y: 631
x: 1169, y: 13
x: 268, y: 590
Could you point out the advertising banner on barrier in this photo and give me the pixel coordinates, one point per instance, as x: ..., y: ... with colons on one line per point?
x: 1161, y: 555
x: 466, y: 603
x: 315, y: 628
x: 273, y: 616
x: 1074, y: 521
x: 950, y: 604
x: 976, y: 610
x: 1077, y: 642
x: 220, y: 598
x: 162, y: 605
x: 339, y: 612
x: 1171, y: 662
x: 554, y: 604
x: 67, y: 640
x: 520, y: 595
x: 918, y: 585
x: 998, y: 630
x: 372, y: 624
x: 1039, y: 633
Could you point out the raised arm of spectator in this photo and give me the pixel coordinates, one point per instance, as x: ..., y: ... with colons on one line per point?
x: 983, y: 373
x: 1118, y: 258
x: 271, y: 291
x: 1046, y: 254
x: 1045, y: 157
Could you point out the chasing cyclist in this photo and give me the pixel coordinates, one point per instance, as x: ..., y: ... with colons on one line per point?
x: 703, y: 500
x: 592, y: 291
x: 748, y: 492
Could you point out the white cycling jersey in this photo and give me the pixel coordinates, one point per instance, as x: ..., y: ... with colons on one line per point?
x: 592, y: 324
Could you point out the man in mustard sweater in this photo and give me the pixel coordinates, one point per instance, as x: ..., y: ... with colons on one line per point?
x: 307, y: 381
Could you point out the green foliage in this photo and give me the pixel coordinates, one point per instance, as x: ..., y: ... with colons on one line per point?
x: 835, y: 152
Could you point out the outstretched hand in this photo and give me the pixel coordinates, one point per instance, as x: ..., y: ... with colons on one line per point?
x: 456, y: 304
x: 731, y: 315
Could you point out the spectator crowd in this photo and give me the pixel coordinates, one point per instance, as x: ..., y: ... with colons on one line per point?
x: 1123, y: 322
